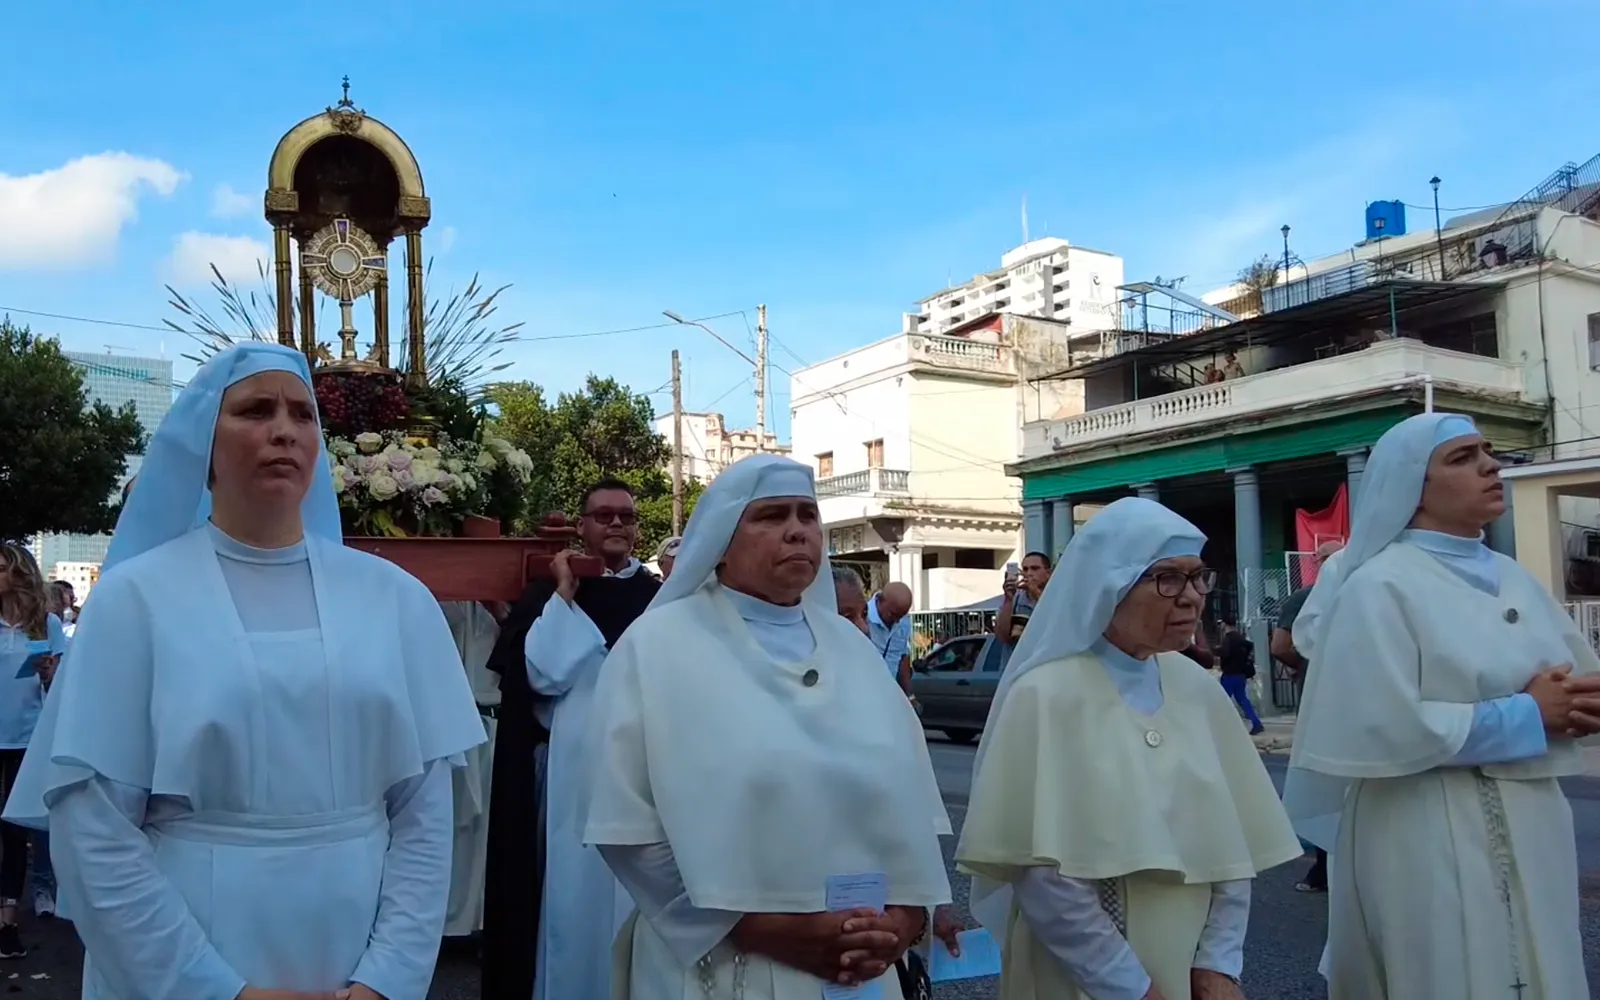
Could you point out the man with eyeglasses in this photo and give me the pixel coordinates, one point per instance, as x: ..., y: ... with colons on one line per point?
x: 551, y: 906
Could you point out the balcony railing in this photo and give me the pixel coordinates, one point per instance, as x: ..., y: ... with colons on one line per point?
x: 1383, y: 365
x: 958, y: 352
x: 867, y: 482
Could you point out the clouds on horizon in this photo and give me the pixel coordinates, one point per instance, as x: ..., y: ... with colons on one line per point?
x: 73, y: 215
x: 194, y: 254
x: 226, y: 203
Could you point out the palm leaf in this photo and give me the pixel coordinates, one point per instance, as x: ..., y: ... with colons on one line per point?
x: 462, y: 335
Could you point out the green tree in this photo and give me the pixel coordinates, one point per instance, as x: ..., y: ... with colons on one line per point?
x: 603, y: 429
x: 63, y: 457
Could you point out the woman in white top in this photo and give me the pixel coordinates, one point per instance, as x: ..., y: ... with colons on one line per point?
x: 1435, y: 723
x: 31, y: 644
x: 750, y: 749
x: 245, y: 759
x: 1119, y: 810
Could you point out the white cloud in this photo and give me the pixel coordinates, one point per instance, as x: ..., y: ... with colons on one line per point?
x: 238, y: 258
x: 226, y: 203
x: 72, y: 215
x: 445, y: 240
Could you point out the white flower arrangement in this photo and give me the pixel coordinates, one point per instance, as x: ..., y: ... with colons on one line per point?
x: 389, y: 486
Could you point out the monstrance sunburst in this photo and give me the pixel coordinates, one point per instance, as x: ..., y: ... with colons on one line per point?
x: 345, y: 263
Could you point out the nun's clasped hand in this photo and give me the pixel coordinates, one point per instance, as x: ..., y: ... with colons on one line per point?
x: 1583, y: 718
x: 818, y: 943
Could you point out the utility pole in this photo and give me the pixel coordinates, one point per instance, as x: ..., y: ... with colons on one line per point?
x: 677, y: 446
x: 761, y: 378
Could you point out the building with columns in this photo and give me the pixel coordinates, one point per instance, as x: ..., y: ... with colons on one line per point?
x: 1497, y: 317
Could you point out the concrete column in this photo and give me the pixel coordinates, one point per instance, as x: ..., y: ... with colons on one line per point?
x: 1061, y: 527
x: 1248, y: 557
x: 1150, y: 491
x: 1036, y: 525
x: 1355, y: 466
x: 905, y: 566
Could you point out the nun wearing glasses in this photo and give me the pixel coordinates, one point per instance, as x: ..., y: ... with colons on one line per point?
x: 1450, y: 693
x: 245, y: 759
x: 1119, y: 810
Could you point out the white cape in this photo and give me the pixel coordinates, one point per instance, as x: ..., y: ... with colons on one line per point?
x: 272, y: 776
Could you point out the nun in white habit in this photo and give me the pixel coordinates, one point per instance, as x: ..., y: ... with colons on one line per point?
x: 245, y: 760
x: 749, y: 746
x: 1448, y: 691
x: 1119, y: 810
x: 475, y: 630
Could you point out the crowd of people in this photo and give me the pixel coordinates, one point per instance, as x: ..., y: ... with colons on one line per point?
x: 713, y: 783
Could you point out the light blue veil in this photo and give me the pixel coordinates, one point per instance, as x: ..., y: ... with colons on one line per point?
x: 171, y: 497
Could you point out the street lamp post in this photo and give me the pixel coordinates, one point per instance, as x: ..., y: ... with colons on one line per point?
x: 1438, y: 229
x: 758, y: 364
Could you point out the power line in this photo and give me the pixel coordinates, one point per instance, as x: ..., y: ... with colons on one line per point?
x: 517, y: 340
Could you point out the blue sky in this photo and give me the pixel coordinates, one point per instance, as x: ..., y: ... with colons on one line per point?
x: 835, y: 160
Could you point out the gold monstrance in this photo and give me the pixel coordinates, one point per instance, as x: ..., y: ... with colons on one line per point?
x: 342, y: 186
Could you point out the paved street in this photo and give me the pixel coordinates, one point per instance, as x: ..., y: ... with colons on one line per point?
x: 1286, y: 927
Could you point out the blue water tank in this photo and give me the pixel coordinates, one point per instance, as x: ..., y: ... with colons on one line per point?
x: 1386, y: 218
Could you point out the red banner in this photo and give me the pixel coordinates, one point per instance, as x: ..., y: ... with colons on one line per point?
x: 1311, y: 529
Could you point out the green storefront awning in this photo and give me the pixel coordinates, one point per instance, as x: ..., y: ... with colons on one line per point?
x: 1218, y: 454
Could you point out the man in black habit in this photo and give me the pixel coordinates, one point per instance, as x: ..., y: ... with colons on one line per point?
x: 551, y: 906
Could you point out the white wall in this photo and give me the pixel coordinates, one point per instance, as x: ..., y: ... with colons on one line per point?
x: 964, y: 434
x: 842, y: 422
x: 949, y: 587
x: 1543, y: 319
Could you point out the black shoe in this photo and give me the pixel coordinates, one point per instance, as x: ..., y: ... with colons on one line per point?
x: 1258, y: 730
x: 11, y: 942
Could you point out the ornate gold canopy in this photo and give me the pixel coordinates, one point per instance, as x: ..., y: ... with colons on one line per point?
x: 341, y: 186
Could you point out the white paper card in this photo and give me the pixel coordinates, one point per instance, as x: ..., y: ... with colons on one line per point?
x: 863, y: 891
x: 866, y: 891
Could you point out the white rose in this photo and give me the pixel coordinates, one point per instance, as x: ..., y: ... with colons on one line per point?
x: 382, y: 486
x: 341, y: 448
x: 369, y: 442
x: 455, y: 465
x: 428, y: 453
x: 467, y: 481
x: 425, y: 473
x: 486, y: 460
x: 338, y: 479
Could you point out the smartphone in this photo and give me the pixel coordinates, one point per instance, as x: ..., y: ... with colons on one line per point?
x: 1013, y: 571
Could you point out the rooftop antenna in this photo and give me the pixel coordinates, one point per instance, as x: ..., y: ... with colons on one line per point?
x: 1024, y: 218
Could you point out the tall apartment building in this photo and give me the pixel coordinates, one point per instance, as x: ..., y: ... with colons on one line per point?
x: 113, y: 379
x: 1045, y: 278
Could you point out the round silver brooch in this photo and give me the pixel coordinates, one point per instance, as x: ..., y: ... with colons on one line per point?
x: 1152, y: 739
x: 810, y: 679
x: 1511, y: 616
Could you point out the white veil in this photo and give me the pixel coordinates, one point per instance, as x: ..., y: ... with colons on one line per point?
x: 1391, y: 492
x: 1098, y: 568
x: 717, y: 514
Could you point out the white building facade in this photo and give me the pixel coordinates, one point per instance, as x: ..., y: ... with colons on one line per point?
x: 1498, y: 317
x: 1045, y: 278
x: 909, y: 438
x: 709, y: 445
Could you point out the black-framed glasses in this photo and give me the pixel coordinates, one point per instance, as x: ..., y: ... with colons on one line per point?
x: 1170, y: 583
x: 604, y: 516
